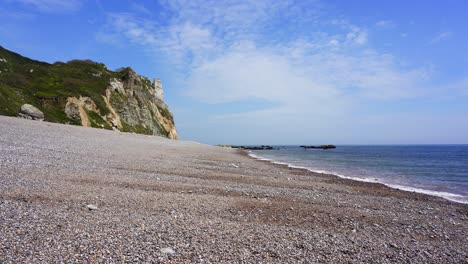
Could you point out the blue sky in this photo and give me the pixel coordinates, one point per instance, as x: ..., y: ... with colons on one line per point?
x: 273, y: 72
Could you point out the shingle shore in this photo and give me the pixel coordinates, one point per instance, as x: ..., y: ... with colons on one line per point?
x: 73, y: 194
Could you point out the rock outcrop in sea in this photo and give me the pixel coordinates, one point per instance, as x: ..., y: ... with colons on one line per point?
x: 83, y: 92
x: 320, y: 147
x: 262, y: 147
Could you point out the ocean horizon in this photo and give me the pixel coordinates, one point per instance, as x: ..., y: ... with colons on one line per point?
x: 435, y: 169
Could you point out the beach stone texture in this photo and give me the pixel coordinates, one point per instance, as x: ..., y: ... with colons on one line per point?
x: 155, y: 200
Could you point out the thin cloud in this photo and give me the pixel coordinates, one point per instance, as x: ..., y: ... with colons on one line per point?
x: 140, y: 8
x: 53, y: 6
x: 440, y: 37
x: 385, y: 24
x: 178, y: 41
x: 357, y: 36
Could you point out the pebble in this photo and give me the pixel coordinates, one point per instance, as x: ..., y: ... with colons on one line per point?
x: 168, y: 251
x: 91, y: 207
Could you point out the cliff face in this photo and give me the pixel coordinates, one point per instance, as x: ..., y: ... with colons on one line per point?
x: 132, y: 103
x: 85, y: 93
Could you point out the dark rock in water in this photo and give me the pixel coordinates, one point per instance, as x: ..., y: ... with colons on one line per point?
x: 253, y: 147
x: 31, y: 112
x: 320, y: 147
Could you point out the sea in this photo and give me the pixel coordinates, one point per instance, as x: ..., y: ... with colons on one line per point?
x: 439, y: 170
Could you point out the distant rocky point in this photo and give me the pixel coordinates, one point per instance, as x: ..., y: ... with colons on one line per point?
x: 253, y: 147
x: 320, y: 147
x: 83, y: 92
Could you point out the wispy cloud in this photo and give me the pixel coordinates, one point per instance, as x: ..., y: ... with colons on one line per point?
x: 385, y: 24
x: 236, y: 53
x: 182, y: 42
x: 441, y: 36
x: 140, y: 8
x: 357, y: 36
x: 192, y: 24
x: 53, y: 6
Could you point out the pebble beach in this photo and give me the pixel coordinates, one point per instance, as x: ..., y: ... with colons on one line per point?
x: 73, y: 194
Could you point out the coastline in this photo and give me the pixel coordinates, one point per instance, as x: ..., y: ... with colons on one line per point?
x: 70, y: 193
x: 445, y: 195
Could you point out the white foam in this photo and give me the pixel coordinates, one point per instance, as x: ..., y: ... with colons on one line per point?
x: 449, y: 196
x: 260, y: 158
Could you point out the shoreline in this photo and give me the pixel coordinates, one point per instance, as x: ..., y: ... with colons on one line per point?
x: 349, y: 181
x: 75, y: 194
x: 444, y: 195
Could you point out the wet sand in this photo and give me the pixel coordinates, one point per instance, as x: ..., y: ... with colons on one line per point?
x: 74, y: 194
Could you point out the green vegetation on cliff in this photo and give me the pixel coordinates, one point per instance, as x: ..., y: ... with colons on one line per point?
x: 48, y: 86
